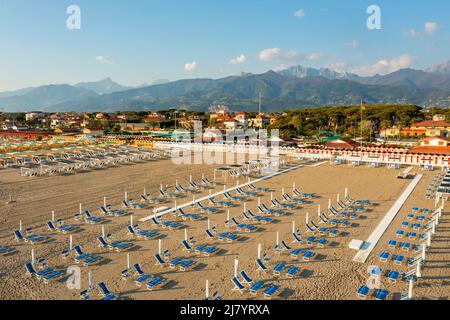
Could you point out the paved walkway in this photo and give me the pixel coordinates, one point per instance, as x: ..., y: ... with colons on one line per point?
x: 373, y: 239
x: 188, y: 204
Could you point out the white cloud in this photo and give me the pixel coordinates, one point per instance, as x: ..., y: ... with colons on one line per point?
x: 430, y: 28
x: 314, y: 56
x: 354, y: 44
x: 384, y: 66
x: 299, y: 13
x: 277, y: 54
x: 190, y: 66
x: 103, y: 59
x: 239, y: 59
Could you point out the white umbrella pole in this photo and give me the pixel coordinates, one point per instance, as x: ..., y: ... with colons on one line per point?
x: 410, y: 289
x: 207, y: 286
x: 20, y: 225
x: 81, y: 208
x: 228, y: 218
x: 259, y: 201
x: 293, y: 226
x: 271, y: 196
x: 428, y: 239
x: 236, y: 264
x: 71, y: 243
x: 329, y: 204
x: 209, y: 224
x: 337, y: 198
x: 128, y: 261
x: 131, y: 220
x: 159, y: 246
x: 346, y: 193
x: 126, y: 196
x: 53, y: 216
x: 104, y: 202
x: 32, y: 257
x: 278, y: 238
x: 307, y: 217
x: 318, y: 211
x: 259, y: 250
x: 185, y: 234
x: 418, y: 274
x: 103, y: 231
x: 293, y: 186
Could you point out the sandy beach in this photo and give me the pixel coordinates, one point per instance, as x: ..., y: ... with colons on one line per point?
x: 330, y: 275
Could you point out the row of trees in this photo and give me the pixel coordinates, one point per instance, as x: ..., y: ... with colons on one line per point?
x: 348, y: 120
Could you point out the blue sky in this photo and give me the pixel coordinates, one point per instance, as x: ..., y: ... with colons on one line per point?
x: 139, y: 41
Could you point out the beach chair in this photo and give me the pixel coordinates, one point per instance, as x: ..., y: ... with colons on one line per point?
x: 398, y: 259
x: 170, y: 195
x: 133, y: 205
x: 116, y: 245
x: 227, y: 195
x: 209, y: 234
x: 28, y: 238
x: 260, y: 189
x: 277, y: 212
x: 141, y: 275
x: 262, y: 219
x: 322, y: 242
x: 310, y: 240
x: 105, y: 293
x: 175, y: 262
x: 363, y: 292
x: 393, y: 276
x: 392, y: 244
x: 297, y: 237
x: 209, y: 182
x: 256, y: 287
x: 292, y: 271
x: 277, y: 203
x: 309, y: 229
x: 210, y: 251
x: 278, y: 268
x: 111, y: 212
x: 238, y: 286
x: 384, y: 256
x: 381, y: 294
x: 271, y: 291
x: 207, y: 209
x: 3, y: 251
x: 181, y: 189
x: 406, y: 246
x: 156, y: 283
x: 159, y: 260
x: 226, y: 204
x: 246, y: 278
x: 261, y: 266
x: 88, y: 218
x: 308, y: 255
x: 46, y: 275
x: 229, y: 236
x: 142, y: 234
x: 186, y: 265
x: 242, y: 226
x: 62, y: 229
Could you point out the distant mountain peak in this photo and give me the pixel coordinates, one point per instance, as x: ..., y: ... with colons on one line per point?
x: 443, y: 68
x: 104, y: 86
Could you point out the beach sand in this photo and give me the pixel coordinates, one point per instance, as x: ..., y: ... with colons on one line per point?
x: 332, y: 275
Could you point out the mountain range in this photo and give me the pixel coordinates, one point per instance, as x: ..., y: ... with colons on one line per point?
x: 295, y: 87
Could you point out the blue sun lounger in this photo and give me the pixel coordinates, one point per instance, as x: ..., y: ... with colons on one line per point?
x: 63, y: 229
x: 155, y: 283
x: 308, y: 255
x: 88, y: 218
x: 116, y: 245
x: 262, y: 219
x: 29, y: 238
x: 200, y: 248
x: 261, y: 265
x: 214, y: 202
x: 295, y: 253
x: 229, y: 236
x: 263, y: 208
x: 271, y: 291
x: 297, y: 237
x: 322, y: 242
x: 393, y: 276
x: 310, y: 240
x: 393, y: 244
x: 381, y: 294
x: 363, y: 292
x: 3, y: 251
x: 398, y: 260
x: 175, y: 262
x: 210, y: 251
x: 104, y: 291
x: 143, y: 234
x: 187, y: 264
x: 384, y: 256
x: 292, y: 271
x: 207, y: 209
x: 159, y: 260
x: 406, y: 246
x: 246, y: 278
x: 255, y: 288
x: 46, y: 275
x: 278, y: 268
x: 141, y: 275
x: 238, y: 286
